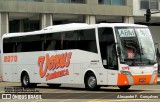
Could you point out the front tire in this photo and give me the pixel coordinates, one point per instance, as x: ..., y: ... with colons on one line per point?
x: 91, y: 82
x: 25, y: 81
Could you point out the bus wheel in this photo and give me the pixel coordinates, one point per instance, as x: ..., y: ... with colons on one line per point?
x: 54, y: 85
x: 91, y: 82
x: 25, y: 80
x: 124, y: 88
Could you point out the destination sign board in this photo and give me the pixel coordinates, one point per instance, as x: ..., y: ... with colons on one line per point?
x: 126, y: 32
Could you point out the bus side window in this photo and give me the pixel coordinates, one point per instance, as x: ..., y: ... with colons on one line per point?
x: 9, y: 45
x: 58, y: 45
x: 69, y: 40
x: 50, y: 45
x: 31, y: 43
x: 19, y: 47
x: 8, y: 48
x: 86, y: 40
x: 54, y: 41
x: 92, y: 46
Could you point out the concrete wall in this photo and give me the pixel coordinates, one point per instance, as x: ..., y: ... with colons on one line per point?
x: 4, y: 22
x: 92, y: 8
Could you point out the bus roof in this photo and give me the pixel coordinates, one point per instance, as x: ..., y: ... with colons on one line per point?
x: 71, y: 26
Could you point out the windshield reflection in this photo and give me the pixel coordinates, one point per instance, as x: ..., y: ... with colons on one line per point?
x: 136, y: 45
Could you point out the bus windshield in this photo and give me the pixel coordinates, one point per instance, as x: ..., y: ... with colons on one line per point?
x: 136, y: 46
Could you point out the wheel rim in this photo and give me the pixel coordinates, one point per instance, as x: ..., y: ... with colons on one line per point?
x: 25, y: 80
x: 91, y: 81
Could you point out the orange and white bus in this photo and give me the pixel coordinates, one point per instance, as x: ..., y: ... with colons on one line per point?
x: 106, y: 54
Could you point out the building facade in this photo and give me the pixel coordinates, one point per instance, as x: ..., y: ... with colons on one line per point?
x: 29, y: 15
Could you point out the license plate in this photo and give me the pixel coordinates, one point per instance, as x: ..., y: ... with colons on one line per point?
x: 142, y: 79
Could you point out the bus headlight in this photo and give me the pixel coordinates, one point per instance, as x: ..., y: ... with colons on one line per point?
x: 126, y: 73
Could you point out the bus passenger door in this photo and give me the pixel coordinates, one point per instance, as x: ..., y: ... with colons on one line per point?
x: 108, y: 54
x: 112, y: 65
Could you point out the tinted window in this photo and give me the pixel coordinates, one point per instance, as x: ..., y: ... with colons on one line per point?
x: 107, y: 48
x: 23, y: 44
x: 79, y: 39
x: 53, y: 41
x: 9, y: 45
x: 87, y: 40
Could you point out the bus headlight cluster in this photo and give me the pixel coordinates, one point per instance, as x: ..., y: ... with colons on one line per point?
x: 126, y: 73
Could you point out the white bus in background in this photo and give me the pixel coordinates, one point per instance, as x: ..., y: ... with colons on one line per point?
x: 105, y: 54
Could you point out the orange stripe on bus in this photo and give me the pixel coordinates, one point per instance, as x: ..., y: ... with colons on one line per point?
x: 141, y: 79
x: 122, y: 80
x: 137, y: 79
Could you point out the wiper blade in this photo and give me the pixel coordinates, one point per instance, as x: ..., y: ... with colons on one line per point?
x: 130, y: 60
x: 141, y: 49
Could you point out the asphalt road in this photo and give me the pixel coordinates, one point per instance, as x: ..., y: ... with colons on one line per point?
x: 72, y: 93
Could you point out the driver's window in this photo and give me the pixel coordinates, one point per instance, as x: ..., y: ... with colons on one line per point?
x: 107, y: 48
x: 112, y: 57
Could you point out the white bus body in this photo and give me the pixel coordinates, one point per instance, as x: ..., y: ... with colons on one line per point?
x: 79, y: 54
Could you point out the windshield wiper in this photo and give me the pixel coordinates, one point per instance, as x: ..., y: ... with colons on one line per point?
x: 141, y: 49
x: 130, y: 61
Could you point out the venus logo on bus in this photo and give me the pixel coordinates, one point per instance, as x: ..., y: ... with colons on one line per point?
x: 52, y: 64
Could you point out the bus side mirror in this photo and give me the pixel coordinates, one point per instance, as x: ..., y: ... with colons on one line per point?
x: 119, y: 51
x: 104, y: 61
